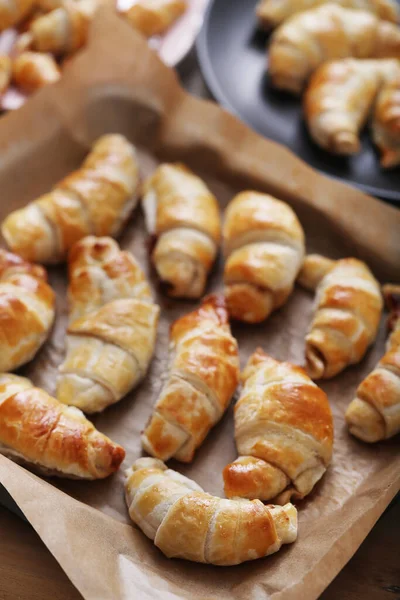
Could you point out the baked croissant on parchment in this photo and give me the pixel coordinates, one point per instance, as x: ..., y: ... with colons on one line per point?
x: 264, y: 249
x: 154, y: 17
x: 27, y: 307
x: 273, y: 12
x: 182, y: 216
x: 202, y: 379
x: 186, y: 522
x: 348, y: 308
x: 386, y: 121
x: 374, y: 414
x: 95, y: 199
x: 310, y: 38
x: 283, y: 433
x: 111, y: 338
x: 33, y: 70
x: 52, y: 438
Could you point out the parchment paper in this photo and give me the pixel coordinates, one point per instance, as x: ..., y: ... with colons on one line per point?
x: 119, y: 85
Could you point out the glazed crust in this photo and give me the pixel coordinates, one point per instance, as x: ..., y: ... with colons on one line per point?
x: 95, y: 199
x: 52, y: 438
x: 185, y: 522
x: 374, y: 414
x: 27, y: 308
x: 328, y: 32
x: 203, y: 376
x: 33, y: 70
x: 154, y: 17
x: 386, y: 120
x: 264, y: 249
x: 346, y: 319
x: 183, y: 219
x: 14, y: 11
x: 273, y: 12
x: 283, y: 432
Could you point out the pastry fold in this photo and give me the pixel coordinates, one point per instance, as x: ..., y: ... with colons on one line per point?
x: 182, y: 217
x: 33, y: 70
x: 386, y: 120
x: 95, y: 199
x: 264, y: 249
x: 185, y: 522
x: 202, y: 379
x: 49, y: 437
x: 27, y: 308
x: 154, y: 17
x: 283, y: 433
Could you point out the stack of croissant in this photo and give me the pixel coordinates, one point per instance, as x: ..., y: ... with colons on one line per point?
x: 282, y: 419
x: 345, y: 56
x: 52, y: 30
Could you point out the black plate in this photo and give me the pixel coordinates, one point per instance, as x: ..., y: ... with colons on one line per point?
x: 233, y: 59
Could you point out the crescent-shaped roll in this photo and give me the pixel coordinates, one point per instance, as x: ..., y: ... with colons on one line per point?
x: 182, y: 216
x: 100, y: 272
x: 273, y: 12
x: 14, y: 11
x: 283, y: 433
x: 27, y: 307
x: 186, y: 522
x: 95, y: 199
x: 52, y: 438
x: 374, y: 414
x: 386, y: 120
x: 201, y: 381
x: 65, y: 29
x: 33, y: 70
x: 308, y: 39
x: 5, y: 72
x: 154, y: 17
x: 264, y: 249
x: 348, y: 308
x: 339, y: 99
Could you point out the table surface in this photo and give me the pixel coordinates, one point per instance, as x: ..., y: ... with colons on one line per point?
x: 28, y: 571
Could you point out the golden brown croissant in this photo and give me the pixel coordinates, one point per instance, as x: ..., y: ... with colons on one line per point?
x: 154, y: 17
x: 264, y: 249
x: 33, y: 70
x: 203, y: 376
x: 185, y: 522
x: 5, y: 72
x: 346, y: 318
x: 100, y: 272
x: 386, y: 120
x: 374, y: 414
x: 27, y: 305
x: 95, y: 199
x: 64, y: 29
x: 112, y: 333
x: 14, y: 11
x: 328, y: 32
x: 283, y: 432
x: 52, y: 438
x: 183, y: 217
x: 273, y: 12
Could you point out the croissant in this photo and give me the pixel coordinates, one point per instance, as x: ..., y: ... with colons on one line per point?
x: 283, y: 432
x: 203, y: 376
x: 97, y: 199
x: 272, y: 12
x: 100, y: 272
x: 14, y: 11
x: 65, y: 29
x: 154, y: 17
x: 346, y: 319
x: 374, y: 414
x: 386, y: 120
x: 27, y: 306
x: 5, y: 72
x: 33, y: 70
x: 183, y: 217
x: 185, y: 522
x: 264, y: 249
x: 52, y: 438
x: 310, y: 38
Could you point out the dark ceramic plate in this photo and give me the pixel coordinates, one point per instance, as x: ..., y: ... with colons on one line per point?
x: 233, y: 60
